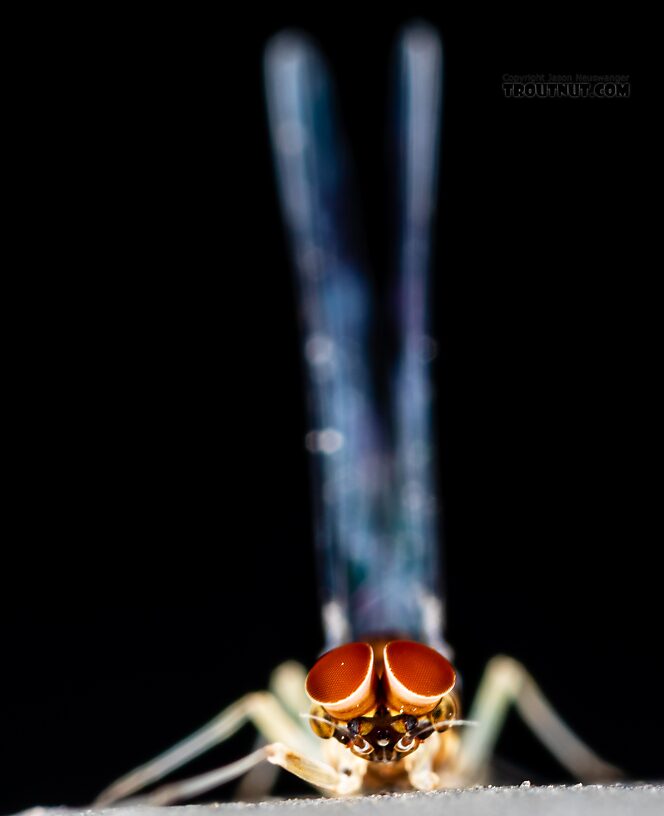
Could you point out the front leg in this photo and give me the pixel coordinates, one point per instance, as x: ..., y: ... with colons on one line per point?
x: 420, y: 764
x: 341, y: 775
x: 342, y: 778
x: 261, y: 708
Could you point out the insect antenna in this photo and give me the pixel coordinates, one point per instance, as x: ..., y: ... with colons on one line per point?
x: 442, y: 723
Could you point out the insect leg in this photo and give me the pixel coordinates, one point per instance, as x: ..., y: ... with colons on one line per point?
x: 335, y: 780
x: 197, y: 785
x: 506, y: 682
x: 341, y: 774
x: 420, y: 765
x: 287, y: 684
x: 260, y: 708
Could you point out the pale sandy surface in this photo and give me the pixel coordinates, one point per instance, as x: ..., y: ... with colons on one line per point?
x: 577, y: 800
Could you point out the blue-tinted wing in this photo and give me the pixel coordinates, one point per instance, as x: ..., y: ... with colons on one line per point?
x: 418, y: 116
x: 335, y: 309
x: 375, y: 512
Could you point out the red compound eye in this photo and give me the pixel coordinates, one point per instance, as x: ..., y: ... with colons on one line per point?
x: 343, y: 681
x: 416, y: 677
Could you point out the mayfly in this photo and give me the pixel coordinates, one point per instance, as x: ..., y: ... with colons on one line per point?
x: 382, y: 706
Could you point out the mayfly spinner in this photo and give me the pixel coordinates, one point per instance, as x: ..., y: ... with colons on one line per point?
x: 382, y: 706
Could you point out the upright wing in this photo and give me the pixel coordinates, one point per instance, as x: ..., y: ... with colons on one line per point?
x: 414, y: 520
x: 335, y: 310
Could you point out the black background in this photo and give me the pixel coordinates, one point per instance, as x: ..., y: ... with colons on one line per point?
x: 157, y: 558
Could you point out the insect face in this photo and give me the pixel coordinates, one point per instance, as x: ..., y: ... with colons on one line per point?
x: 381, y: 706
